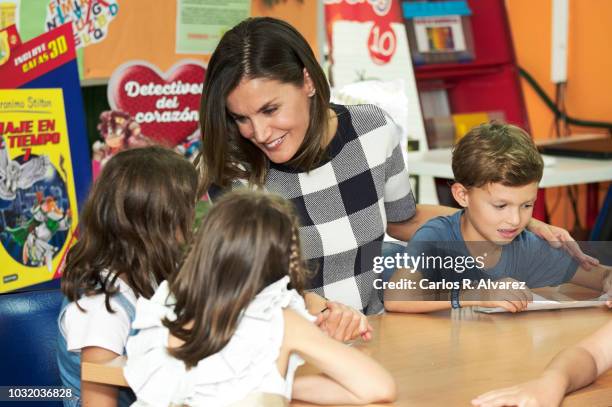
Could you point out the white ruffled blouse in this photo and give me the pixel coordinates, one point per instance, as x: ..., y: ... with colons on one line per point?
x: 247, y: 364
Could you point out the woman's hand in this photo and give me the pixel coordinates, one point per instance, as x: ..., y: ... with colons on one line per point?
x: 343, y: 323
x: 559, y: 237
x: 546, y: 391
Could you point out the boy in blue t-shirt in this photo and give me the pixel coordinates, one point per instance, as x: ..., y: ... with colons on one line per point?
x: 483, y: 254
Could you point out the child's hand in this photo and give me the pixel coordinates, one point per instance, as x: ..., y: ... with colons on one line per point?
x: 508, y: 299
x: 343, y: 323
x: 543, y: 392
x: 560, y: 238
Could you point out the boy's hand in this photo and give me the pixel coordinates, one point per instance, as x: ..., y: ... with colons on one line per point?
x: 510, y: 300
x: 543, y: 392
x: 343, y: 323
x: 560, y: 238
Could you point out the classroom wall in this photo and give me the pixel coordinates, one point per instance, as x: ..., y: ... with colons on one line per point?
x: 589, y: 66
x: 147, y: 30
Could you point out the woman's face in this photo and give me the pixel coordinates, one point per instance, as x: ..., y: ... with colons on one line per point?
x: 272, y: 115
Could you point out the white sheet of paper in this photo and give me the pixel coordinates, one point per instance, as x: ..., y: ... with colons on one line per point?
x: 541, y: 303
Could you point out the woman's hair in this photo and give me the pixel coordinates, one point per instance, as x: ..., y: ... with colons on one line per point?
x: 138, y: 215
x: 496, y: 153
x: 267, y: 48
x: 247, y: 241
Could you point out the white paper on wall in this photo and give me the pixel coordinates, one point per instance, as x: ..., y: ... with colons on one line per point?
x: 352, y: 64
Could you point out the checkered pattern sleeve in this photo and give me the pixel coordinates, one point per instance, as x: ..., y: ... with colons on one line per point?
x: 400, y: 204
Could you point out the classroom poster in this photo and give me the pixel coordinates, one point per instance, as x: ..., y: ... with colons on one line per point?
x: 368, y: 42
x: 44, y: 160
x: 90, y: 18
x: 200, y: 24
x: 150, y: 106
x: 9, y: 10
x: 38, y: 208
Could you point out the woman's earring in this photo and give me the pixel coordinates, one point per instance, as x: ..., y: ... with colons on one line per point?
x: 312, y: 93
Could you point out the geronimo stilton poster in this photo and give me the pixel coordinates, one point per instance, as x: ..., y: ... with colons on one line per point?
x: 44, y: 171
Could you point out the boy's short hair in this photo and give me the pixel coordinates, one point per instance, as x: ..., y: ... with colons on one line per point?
x: 496, y: 153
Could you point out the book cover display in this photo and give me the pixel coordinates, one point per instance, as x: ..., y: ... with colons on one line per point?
x: 439, y: 31
x: 44, y: 160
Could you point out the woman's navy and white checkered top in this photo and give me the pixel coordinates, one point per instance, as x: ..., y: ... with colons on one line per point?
x: 345, y: 203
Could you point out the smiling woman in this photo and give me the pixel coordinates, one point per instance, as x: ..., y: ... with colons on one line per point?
x: 267, y: 121
x: 269, y: 114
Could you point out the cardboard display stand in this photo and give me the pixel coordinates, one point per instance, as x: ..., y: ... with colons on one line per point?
x: 45, y: 167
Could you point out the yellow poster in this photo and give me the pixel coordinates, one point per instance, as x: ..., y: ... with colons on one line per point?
x: 38, y: 209
x: 7, y: 12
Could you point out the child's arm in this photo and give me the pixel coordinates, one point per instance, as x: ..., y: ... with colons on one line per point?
x: 95, y: 394
x: 415, y: 299
x: 570, y: 370
x: 349, y: 376
x: 421, y: 300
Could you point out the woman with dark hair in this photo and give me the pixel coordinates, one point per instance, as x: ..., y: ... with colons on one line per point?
x: 267, y: 122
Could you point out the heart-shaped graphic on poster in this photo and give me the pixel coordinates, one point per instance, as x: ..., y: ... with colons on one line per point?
x: 165, y: 105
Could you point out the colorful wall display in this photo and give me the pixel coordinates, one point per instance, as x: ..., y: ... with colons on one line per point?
x: 90, y: 18
x: 164, y: 104
x: 44, y: 162
x: 8, y: 11
x: 150, y: 106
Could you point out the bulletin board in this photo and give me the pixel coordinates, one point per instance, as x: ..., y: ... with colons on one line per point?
x: 143, y: 29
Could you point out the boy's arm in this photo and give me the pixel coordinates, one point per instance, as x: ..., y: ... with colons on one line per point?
x: 95, y: 394
x: 422, y: 300
x: 414, y: 299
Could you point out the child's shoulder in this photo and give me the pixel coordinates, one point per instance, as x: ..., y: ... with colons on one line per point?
x: 528, y: 237
x: 94, y: 325
x: 440, y: 228
x: 529, y: 243
x: 92, y: 311
x: 273, y: 299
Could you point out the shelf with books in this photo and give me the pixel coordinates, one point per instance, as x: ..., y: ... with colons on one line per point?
x: 457, y: 91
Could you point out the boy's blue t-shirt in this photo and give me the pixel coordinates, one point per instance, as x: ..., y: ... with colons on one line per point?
x: 527, y: 258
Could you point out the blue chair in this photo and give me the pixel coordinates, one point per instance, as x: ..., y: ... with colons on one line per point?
x: 28, y: 323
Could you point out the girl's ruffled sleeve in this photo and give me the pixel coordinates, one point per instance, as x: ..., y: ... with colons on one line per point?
x: 156, y: 378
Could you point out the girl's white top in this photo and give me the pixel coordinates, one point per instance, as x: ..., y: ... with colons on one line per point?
x: 247, y: 364
x: 96, y: 326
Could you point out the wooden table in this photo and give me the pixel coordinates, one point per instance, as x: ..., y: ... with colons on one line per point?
x: 447, y: 358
